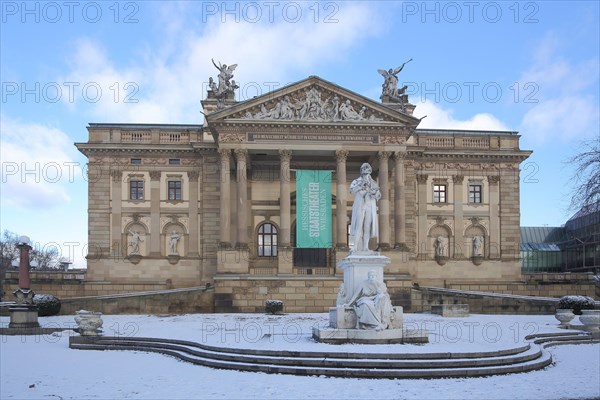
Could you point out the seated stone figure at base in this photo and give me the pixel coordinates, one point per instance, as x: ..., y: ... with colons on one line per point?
x: 372, y: 304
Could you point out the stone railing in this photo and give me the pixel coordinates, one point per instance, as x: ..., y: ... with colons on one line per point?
x: 136, y: 137
x: 174, y: 137
x: 445, y: 142
x: 476, y: 143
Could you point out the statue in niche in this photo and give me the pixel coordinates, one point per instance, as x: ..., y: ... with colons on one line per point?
x: 173, y: 239
x: 134, y: 243
x: 364, y: 223
x: 372, y: 304
x: 390, y: 83
x: 477, y: 245
x: 440, y: 246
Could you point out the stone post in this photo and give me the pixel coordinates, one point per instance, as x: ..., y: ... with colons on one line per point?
x: 241, y: 156
x: 384, y: 202
x: 155, y: 213
x: 399, y: 202
x: 458, y: 250
x: 494, y: 242
x: 193, y: 224
x: 24, y: 248
x: 225, y: 217
x: 284, y: 197
x: 24, y: 313
x: 340, y: 199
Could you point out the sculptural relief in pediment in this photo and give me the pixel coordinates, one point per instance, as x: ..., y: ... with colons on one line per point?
x: 312, y: 105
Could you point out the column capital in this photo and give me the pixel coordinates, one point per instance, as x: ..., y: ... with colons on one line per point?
x: 493, y: 179
x: 155, y: 175
x: 285, y: 155
x: 241, y: 154
x: 458, y: 178
x: 422, y: 178
x: 116, y: 176
x: 399, y: 155
x: 225, y: 153
x: 341, y: 155
x: 193, y: 175
x: 384, y: 155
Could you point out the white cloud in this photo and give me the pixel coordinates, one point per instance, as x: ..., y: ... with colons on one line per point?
x: 567, y: 106
x: 37, y: 164
x: 172, y: 75
x: 439, y: 118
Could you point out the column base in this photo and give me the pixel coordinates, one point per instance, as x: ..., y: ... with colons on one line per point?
x: 401, y: 247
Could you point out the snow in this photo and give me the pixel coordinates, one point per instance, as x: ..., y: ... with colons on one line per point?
x: 36, y: 367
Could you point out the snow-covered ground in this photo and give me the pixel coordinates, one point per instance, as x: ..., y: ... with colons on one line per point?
x: 43, y: 367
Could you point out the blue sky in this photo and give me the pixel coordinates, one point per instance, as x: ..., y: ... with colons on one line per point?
x: 532, y: 67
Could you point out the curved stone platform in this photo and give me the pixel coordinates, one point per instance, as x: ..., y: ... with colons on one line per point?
x: 529, y: 357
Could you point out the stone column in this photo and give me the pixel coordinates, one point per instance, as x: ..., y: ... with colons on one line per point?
x: 155, y: 213
x: 422, y: 213
x: 384, y: 202
x: 494, y: 242
x: 115, y: 226
x: 225, y: 217
x: 459, y: 244
x: 241, y: 156
x: 193, y: 215
x: 24, y: 248
x: 284, y: 198
x: 399, y: 202
x: 340, y: 199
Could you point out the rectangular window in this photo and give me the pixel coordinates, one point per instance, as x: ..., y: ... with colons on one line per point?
x: 174, y: 190
x: 136, y: 190
x: 439, y: 193
x: 174, y: 161
x: 475, y: 193
x: 136, y: 161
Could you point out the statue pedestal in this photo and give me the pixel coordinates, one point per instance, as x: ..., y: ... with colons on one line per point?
x: 23, y: 316
x: 343, y: 320
x: 357, y: 266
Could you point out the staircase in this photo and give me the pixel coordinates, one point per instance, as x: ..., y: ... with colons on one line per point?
x: 529, y: 357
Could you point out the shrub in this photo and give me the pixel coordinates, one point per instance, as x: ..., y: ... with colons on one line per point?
x: 576, y: 303
x: 47, y: 304
x: 274, y: 306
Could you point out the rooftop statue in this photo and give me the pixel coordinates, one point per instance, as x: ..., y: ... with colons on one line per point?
x: 390, y: 83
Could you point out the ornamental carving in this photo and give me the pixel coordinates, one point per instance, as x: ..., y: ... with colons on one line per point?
x: 116, y: 176
x: 225, y: 154
x: 285, y: 156
x: 155, y: 175
x: 312, y: 107
x: 193, y: 175
x: 493, y: 179
x: 392, y: 140
x: 383, y: 155
x: 341, y: 155
x: 231, y: 138
x: 422, y: 178
x: 458, y: 178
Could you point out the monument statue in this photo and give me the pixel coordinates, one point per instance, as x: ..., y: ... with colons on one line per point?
x: 226, y: 86
x: 173, y: 239
x: 135, y: 242
x: 364, y: 222
x: 477, y: 245
x: 440, y: 246
x: 390, y: 83
x: 372, y: 304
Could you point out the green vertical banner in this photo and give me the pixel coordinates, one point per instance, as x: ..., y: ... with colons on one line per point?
x: 313, y: 209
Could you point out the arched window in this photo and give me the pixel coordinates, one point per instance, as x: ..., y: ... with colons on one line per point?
x: 267, y: 240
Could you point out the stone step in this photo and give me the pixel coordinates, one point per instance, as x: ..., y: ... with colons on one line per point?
x: 373, y: 365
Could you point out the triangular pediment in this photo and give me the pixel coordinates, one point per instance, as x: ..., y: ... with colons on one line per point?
x: 313, y: 100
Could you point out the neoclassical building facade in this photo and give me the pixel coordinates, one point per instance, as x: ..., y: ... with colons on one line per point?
x: 189, y: 205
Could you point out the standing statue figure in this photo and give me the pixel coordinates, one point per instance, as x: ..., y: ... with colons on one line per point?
x: 364, y: 223
x: 440, y: 246
x: 477, y: 245
x: 372, y: 304
x: 173, y: 243
x: 390, y: 83
x: 135, y: 242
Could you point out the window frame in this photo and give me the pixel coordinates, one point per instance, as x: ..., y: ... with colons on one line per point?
x: 440, y: 193
x: 475, y: 197
x: 139, y: 189
x: 173, y: 192
x: 273, y: 240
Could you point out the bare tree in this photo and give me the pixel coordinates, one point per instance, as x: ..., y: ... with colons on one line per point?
x: 586, y: 179
x: 45, y: 258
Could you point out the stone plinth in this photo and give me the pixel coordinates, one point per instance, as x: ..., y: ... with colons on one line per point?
x: 451, y: 310
x: 357, y: 265
x: 23, y: 317
x: 367, y: 336
x: 342, y: 318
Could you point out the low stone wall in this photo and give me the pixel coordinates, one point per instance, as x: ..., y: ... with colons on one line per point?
x: 174, y: 301
x: 299, y: 293
x: 426, y: 298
